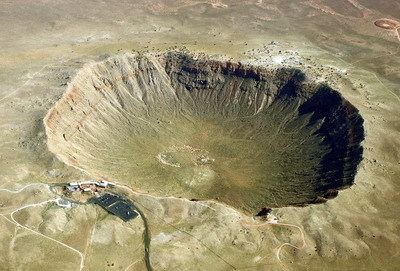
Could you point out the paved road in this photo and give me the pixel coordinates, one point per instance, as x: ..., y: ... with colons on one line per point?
x: 146, y: 239
x: 146, y: 233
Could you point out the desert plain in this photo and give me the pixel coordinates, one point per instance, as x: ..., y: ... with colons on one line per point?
x: 352, y: 46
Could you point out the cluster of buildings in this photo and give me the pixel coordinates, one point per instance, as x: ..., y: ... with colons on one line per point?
x: 89, y: 186
x: 95, y: 192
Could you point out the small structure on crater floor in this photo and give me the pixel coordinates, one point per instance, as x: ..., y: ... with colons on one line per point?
x: 387, y: 24
x: 116, y: 205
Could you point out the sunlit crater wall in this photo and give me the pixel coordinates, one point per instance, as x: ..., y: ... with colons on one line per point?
x: 171, y: 125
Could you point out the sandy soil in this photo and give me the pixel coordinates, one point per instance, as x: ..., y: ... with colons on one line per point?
x: 43, y: 45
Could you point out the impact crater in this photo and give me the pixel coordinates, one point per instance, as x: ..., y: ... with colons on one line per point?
x: 197, y: 128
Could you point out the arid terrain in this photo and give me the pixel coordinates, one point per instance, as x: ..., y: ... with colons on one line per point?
x: 61, y: 122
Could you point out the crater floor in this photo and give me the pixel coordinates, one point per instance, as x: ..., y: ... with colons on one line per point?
x: 174, y: 125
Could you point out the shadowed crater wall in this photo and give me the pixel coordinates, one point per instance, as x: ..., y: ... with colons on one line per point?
x: 172, y: 125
